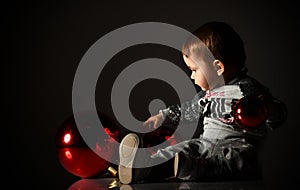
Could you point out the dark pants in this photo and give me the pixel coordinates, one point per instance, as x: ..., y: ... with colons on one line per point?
x: 208, y: 159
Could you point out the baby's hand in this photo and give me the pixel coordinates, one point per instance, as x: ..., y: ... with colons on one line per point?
x: 154, y: 121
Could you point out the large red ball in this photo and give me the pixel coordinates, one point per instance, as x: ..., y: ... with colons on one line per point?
x: 82, y: 161
x: 76, y: 156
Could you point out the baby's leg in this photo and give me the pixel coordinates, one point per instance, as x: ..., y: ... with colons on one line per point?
x: 195, y: 148
x: 133, y: 161
x: 163, y: 162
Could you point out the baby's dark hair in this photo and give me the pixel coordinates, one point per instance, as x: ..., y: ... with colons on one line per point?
x: 222, y: 40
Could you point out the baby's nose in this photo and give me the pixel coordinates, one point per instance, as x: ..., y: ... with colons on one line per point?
x: 192, y: 76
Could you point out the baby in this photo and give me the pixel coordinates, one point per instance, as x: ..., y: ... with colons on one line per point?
x: 235, y: 110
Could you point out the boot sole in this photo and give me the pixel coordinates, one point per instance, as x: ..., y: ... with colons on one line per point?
x: 127, y: 152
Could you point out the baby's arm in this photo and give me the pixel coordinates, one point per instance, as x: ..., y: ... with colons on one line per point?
x: 189, y: 111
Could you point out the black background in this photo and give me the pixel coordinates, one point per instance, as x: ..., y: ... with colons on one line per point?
x: 45, y: 41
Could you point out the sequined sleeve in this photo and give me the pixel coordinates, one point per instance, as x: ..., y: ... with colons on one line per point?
x: 189, y: 111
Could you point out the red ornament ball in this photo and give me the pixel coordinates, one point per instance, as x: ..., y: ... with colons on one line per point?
x: 249, y: 112
x: 75, y: 155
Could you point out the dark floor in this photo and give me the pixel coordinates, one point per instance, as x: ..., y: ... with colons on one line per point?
x: 113, y: 183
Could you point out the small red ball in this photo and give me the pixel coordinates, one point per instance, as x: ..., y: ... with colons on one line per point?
x: 249, y: 112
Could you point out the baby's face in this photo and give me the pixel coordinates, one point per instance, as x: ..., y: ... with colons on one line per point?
x: 197, y: 73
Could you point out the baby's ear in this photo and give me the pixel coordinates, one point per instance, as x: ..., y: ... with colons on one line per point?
x: 219, y: 67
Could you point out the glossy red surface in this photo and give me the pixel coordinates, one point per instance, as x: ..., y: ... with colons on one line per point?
x: 82, y: 161
x: 250, y: 112
x: 77, y: 157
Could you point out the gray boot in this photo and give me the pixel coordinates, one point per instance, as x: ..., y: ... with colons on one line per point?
x: 129, y: 157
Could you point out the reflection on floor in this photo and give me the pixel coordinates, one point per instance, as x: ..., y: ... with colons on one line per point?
x: 113, y: 184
